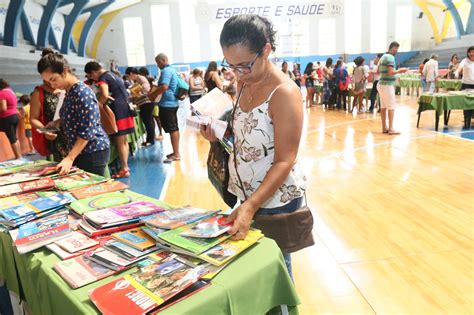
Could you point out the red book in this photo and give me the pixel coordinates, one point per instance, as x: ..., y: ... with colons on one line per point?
x: 34, y: 185
x: 90, y: 231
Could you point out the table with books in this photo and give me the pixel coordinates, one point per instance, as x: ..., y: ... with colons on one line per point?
x: 443, y: 103
x: 451, y: 84
x: 81, y: 244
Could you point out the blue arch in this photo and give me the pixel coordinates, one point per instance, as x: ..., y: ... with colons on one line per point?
x: 470, y: 20
x: 44, y: 29
x: 70, y: 20
x: 26, y: 27
x: 15, y: 8
x: 456, y: 17
x: 94, y: 14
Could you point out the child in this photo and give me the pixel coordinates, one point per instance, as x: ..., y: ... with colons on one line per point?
x: 24, y: 110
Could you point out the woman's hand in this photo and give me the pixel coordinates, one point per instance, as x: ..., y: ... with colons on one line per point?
x: 50, y: 136
x: 242, y: 219
x: 54, y: 124
x: 206, y: 132
x: 65, y: 166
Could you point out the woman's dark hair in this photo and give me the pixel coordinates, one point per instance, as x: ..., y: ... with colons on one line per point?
x: 3, y: 84
x: 380, y: 55
x: 359, y: 61
x: 426, y: 60
x: 328, y: 62
x: 144, y: 71
x: 452, y: 57
x: 212, y: 66
x: 92, y: 66
x: 54, y: 62
x: 309, y: 68
x: 131, y: 70
x: 393, y: 44
x: 338, y: 63
x: 250, y: 30
x: 25, y: 99
x: 284, y: 63
x: 469, y: 50
x: 196, y: 71
x: 47, y: 51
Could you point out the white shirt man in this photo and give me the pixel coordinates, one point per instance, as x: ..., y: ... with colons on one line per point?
x: 467, y: 68
x: 430, y: 71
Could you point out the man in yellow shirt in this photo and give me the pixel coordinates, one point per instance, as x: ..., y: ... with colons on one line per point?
x: 24, y: 110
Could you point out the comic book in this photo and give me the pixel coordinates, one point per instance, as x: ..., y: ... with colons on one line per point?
x: 174, y: 218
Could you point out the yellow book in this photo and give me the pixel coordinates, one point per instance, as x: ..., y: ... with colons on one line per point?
x: 135, y: 238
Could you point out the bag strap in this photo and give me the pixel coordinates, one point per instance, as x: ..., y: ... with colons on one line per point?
x: 233, y: 139
x: 41, y: 97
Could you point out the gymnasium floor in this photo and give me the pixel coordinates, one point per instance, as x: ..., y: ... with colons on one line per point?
x: 393, y: 214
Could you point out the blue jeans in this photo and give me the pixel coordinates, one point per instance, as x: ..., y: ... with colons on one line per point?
x: 424, y: 85
x: 288, y: 208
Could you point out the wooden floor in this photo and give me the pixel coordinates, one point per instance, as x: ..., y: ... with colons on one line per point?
x: 393, y: 214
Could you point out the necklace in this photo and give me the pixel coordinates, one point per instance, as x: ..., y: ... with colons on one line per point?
x: 249, y: 95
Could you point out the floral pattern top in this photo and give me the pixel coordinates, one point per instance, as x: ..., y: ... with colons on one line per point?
x: 255, y: 151
x: 80, y: 117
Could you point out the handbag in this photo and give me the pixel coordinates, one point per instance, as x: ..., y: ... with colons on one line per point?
x: 40, y: 143
x: 343, y: 85
x: 107, y: 119
x: 218, y: 163
x: 291, y: 231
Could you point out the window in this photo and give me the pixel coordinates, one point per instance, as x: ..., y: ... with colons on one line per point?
x: 189, y: 32
x: 133, y: 33
x: 353, y: 26
x: 403, y: 20
x: 293, y: 35
x: 327, y: 36
x: 162, y: 36
x: 378, y: 26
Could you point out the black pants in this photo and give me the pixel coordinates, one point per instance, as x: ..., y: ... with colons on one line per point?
x: 9, y: 125
x: 468, y: 112
x: 146, y: 113
x: 94, y: 162
x: 341, y: 95
x: 194, y: 98
x: 373, y: 95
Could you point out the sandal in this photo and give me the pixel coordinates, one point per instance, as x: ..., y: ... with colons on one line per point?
x: 122, y: 174
x: 393, y: 132
x: 171, y: 159
x: 159, y: 138
x: 385, y: 131
x: 147, y: 144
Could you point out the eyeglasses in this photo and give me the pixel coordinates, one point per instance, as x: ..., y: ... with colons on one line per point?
x: 241, y: 69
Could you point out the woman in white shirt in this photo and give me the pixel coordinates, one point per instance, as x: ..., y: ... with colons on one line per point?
x: 467, y: 69
x: 196, y: 86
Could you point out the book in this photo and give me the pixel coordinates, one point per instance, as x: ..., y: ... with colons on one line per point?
x: 111, y: 199
x: 99, y: 189
x: 92, y: 231
x: 64, y: 254
x: 37, y: 233
x: 131, y: 212
x: 209, y: 228
x: 19, y: 188
x: 191, y: 244
x: 14, y: 166
x: 111, y: 260
x: 125, y: 250
x: 135, y: 238
x: 153, y: 232
x: 80, y: 271
x: 77, y: 180
x: 75, y: 242
x: 174, y: 218
x: 8, y: 202
x: 144, y: 290
x: 229, y: 249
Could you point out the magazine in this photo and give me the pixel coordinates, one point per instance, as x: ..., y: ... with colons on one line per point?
x: 153, y: 232
x: 75, y: 242
x: 92, y: 231
x: 135, y: 238
x: 125, y: 250
x: 229, y: 249
x: 8, y: 202
x: 19, y: 188
x: 99, y: 189
x: 209, y: 228
x: 64, y: 254
x: 80, y: 271
x: 147, y: 288
x: 78, y: 180
x: 174, y: 218
x: 111, y: 260
x: 121, y: 214
x: 191, y: 244
x: 21, y: 165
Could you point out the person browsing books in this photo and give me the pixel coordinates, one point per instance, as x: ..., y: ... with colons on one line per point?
x: 79, y: 115
x: 267, y: 126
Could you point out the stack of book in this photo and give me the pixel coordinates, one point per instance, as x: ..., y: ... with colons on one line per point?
x: 76, y: 180
x: 74, y: 244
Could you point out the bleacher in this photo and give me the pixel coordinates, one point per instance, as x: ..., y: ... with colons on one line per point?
x: 18, y: 67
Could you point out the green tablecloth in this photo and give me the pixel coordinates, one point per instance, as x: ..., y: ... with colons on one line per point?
x: 133, y: 139
x: 410, y: 82
x: 442, y: 102
x: 253, y: 284
x: 449, y: 84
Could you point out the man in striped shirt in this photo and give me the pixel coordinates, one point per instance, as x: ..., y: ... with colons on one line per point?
x: 386, y: 87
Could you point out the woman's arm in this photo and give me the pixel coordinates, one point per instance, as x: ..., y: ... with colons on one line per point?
x: 287, y: 115
x: 65, y: 166
x: 35, y: 110
x: 3, y: 105
x: 103, y: 93
x: 217, y: 80
x: 192, y: 87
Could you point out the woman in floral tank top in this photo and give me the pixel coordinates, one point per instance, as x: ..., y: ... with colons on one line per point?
x: 267, y: 126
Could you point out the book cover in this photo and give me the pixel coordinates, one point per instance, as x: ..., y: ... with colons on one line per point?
x: 125, y: 250
x: 75, y: 242
x: 209, y: 228
x: 8, y: 202
x: 174, y: 218
x: 19, y: 188
x: 134, y: 210
x: 147, y: 288
x: 191, y: 244
x: 153, y: 232
x: 43, y: 228
x: 99, y: 189
x: 54, y: 201
x: 28, y: 247
x: 111, y: 260
x: 80, y: 271
x: 77, y: 180
x: 64, y: 254
x: 229, y: 249
x: 91, y: 231
x: 135, y: 238
x: 19, y: 166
